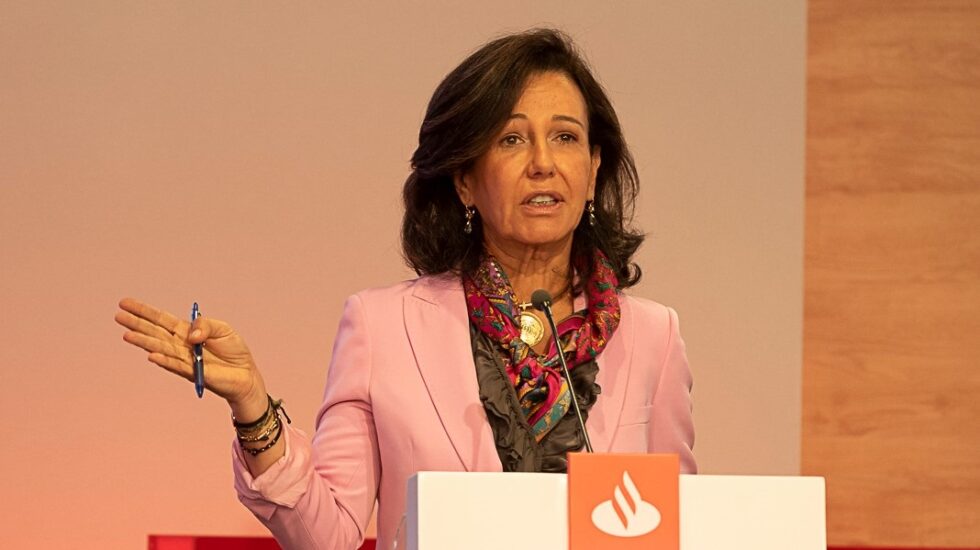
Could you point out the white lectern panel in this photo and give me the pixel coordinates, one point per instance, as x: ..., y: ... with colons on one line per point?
x: 752, y: 512
x: 484, y: 511
x: 488, y: 511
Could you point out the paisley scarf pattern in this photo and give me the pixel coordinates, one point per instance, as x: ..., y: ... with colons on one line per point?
x: 541, y: 389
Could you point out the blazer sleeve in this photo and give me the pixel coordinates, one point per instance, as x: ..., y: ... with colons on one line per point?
x: 320, y: 494
x: 672, y: 422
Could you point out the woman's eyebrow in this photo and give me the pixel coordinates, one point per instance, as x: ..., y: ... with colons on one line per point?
x: 565, y: 118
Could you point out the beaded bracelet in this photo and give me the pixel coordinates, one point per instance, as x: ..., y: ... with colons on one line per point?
x: 265, y: 416
x: 263, y: 448
x: 261, y: 429
x: 260, y: 436
x: 256, y: 433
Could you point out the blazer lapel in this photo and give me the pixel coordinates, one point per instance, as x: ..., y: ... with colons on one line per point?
x: 438, y: 330
x: 614, y: 367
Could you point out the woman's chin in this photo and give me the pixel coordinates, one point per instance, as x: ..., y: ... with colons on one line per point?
x: 551, y: 241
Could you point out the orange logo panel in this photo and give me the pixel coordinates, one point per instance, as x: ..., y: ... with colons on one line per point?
x: 623, y: 501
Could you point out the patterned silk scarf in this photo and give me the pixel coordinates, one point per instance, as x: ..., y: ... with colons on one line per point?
x: 541, y: 389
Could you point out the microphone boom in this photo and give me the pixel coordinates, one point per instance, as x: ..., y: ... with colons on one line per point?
x: 541, y: 300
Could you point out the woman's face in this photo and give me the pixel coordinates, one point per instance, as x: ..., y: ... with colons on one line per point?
x: 531, y: 185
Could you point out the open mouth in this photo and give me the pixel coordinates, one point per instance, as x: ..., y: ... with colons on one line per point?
x: 543, y: 200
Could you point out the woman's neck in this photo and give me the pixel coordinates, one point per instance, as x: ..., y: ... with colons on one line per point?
x: 533, y: 268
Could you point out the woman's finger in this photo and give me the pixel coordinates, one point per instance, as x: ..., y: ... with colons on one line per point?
x: 173, y: 365
x: 154, y: 345
x: 204, y: 329
x: 139, y: 324
x: 158, y: 317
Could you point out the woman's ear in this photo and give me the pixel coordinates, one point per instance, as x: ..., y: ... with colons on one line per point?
x: 594, y: 172
x: 462, y: 185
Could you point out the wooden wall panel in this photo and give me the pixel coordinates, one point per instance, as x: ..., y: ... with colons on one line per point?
x: 891, y: 396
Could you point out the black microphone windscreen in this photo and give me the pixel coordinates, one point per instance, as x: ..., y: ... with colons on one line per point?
x: 540, y: 299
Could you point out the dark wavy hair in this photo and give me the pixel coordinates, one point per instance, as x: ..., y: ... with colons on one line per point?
x: 467, y: 110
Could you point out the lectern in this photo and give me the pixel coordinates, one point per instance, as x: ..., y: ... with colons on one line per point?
x: 502, y: 511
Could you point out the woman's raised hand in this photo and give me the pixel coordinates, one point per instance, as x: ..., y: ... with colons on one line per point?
x: 229, y: 370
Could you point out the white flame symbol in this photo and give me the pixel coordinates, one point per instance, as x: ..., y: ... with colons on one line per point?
x: 626, y: 515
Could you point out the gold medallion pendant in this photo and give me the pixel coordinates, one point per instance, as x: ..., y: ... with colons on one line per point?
x: 532, y: 330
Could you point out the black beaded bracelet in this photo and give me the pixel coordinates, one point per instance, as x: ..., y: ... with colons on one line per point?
x: 265, y: 416
x: 264, y: 448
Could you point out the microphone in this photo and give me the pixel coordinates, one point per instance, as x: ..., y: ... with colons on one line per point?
x: 541, y: 300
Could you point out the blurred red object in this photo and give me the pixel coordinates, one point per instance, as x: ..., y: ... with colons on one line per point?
x: 178, y: 542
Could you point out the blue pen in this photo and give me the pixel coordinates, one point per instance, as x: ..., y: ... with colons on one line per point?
x: 198, y: 357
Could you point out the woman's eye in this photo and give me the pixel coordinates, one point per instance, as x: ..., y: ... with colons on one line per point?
x: 511, y: 139
x: 566, y: 137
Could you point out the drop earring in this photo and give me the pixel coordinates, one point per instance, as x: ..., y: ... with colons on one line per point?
x: 470, y: 212
x: 591, y: 209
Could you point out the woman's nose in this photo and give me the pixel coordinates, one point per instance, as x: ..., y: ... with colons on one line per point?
x: 542, y: 161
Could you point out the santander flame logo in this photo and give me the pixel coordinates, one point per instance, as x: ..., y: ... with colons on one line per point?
x: 627, y: 514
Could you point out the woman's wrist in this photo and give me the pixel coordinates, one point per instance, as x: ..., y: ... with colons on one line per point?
x: 252, y: 407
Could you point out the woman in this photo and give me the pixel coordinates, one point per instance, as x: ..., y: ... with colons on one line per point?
x: 521, y: 181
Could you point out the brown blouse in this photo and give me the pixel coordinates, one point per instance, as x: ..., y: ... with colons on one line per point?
x: 518, y: 450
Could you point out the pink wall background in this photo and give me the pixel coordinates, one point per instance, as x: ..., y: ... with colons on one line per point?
x: 250, y: 157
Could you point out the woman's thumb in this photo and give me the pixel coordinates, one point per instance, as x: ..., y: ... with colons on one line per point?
x: 201, y: 330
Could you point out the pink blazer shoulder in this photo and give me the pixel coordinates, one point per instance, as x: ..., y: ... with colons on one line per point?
x: 402, y: 397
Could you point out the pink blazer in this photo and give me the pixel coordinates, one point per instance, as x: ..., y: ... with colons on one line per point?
x: 402, y: 397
